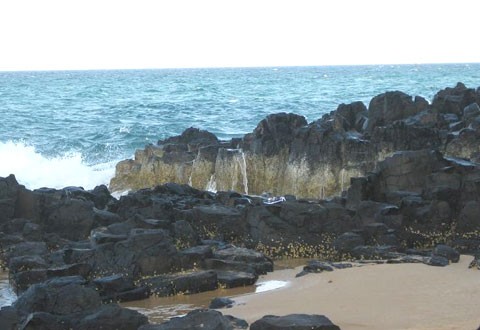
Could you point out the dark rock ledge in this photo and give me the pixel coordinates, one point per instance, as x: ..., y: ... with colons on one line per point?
x: 72, y: 254
x: 286, y: 155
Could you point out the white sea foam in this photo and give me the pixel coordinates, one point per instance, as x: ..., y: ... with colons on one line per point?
x: 35, y: 170
x: 270, y: 285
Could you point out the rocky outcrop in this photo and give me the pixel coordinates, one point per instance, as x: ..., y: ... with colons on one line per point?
x: 286, y: 155
x: 417, y: 202
x: 64, y: 303
x: 294, y: 322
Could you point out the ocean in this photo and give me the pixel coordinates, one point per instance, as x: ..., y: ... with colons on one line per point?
x: 70, y: 128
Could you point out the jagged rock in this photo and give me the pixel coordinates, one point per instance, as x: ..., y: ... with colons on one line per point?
x: 391, y: 106
x: 454, y: 100
x: 200, y: 319
x: 274, y: 133
x: 294, y: 322
x: 101, y: 197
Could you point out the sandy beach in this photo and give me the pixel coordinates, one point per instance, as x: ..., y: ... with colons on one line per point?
x: 383, y: 297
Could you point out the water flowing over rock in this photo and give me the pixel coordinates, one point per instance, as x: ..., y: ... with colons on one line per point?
x: 286, y: 155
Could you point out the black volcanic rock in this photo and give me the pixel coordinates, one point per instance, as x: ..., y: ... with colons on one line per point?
x: 388, y: 107
x: 294, y: 322
x: 199, y: 320
x: 274, y: 133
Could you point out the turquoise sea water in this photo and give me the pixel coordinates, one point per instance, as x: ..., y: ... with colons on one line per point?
x: 71, y: 127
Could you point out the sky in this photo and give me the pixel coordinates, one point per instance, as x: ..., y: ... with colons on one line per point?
x: 136, y: 34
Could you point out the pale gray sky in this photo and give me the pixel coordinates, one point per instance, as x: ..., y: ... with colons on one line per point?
x: 108, y: 34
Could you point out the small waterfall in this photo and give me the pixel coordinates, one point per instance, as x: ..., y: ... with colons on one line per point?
x: 193, y: 168
x: 243, y: 168
x: 211, y: 184
x: 239, y: 167
x: 231, y: 170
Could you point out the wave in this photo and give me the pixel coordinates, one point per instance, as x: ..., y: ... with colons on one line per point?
x: 34, y: 170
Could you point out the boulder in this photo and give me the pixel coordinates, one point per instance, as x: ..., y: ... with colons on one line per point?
x: 182, y: 283
x: 257, y: 260
x: 112, y: 317
x: 57, y: 298
x: 200, y: 319
x: 294, y: 322
x: 233, y: 279
x: 437, y: 261
x: 144, y: 252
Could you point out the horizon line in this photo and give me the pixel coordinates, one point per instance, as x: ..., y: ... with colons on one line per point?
x: 235, y: 67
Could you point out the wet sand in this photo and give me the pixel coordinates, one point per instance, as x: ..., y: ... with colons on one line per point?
x: 383, y: 297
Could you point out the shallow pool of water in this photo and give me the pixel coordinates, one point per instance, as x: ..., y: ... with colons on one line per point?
x: 161, y: 309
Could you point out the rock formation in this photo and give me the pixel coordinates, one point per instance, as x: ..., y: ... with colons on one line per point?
x: 416, y: 201
x: 286, y: 155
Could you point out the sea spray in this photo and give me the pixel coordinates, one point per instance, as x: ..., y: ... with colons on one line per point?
x: 35, y: 170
